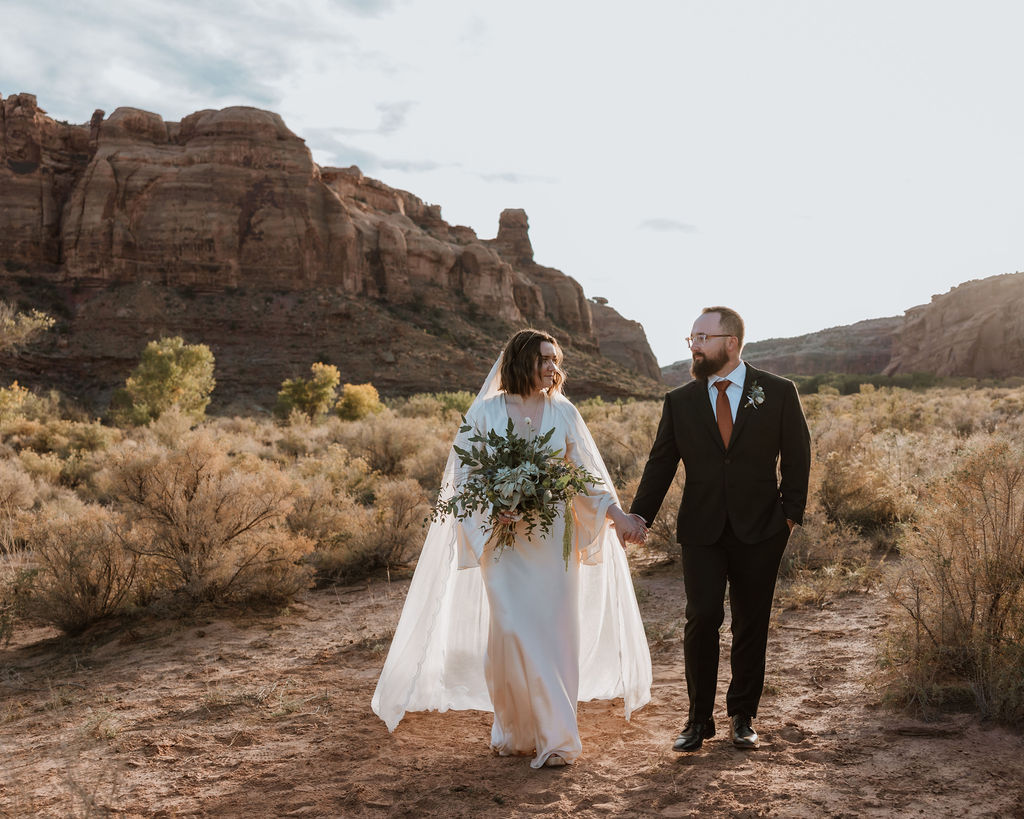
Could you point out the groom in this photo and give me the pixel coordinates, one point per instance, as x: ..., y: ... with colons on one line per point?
x: 731, y: 427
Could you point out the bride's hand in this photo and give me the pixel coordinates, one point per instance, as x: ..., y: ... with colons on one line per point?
x: 628, y: 528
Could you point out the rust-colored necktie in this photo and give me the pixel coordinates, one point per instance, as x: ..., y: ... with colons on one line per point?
x: 723, y: 410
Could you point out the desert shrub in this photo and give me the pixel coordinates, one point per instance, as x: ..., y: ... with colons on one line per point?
x: 400, y: 513
x: 386, y: 441
x: 13, y: 400
x: 623, y: 434
x: 459, y: 401
x: 358, y: 401
x: 46, y: 466
x: 15, y: 579
x: 329, y: 489
x: 435, y: 404
x: 962, y: 587
x: 303, y: 437
x: 29, y: 433
x: 822, y: 542
x: 589, y: 407
x: 58, y: 435
x: 215, y: 525
x: 242, y: 427
x: 320, y: 511
x: 427, y: 463
x: 825, y: 560
x: 856, y: 490
x: 313, y: 396
x: 861, y: 479
x: 334, y: 521
x: 17, y: 495
x: 82, y: 570
x: 170, y: 373
x: 17, y: 401
x: 347, y: 474
x: 362, y: 539
x: 171, y: 427
x: 359, y: 521
x: 18, y: 329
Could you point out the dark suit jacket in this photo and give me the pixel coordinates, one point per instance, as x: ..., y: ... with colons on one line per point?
x: 739, y: 483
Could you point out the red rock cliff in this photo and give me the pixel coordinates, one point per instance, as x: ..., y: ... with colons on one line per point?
x: 231, y: 200
x: 976, y: 329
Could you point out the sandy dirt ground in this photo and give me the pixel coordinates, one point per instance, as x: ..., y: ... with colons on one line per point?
x: 267, y: 716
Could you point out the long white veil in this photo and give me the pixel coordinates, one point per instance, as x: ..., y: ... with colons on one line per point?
x: 436, y: 659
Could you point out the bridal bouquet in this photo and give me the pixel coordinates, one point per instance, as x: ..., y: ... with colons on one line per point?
x: 519, y: 476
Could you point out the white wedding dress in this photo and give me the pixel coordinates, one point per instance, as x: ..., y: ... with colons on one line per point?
x: 521, y: 635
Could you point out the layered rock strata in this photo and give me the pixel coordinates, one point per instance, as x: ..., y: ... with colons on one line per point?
x: 230, y: 201
x: 975, y: 329
x: 864, y: 348
x: 618, y: 339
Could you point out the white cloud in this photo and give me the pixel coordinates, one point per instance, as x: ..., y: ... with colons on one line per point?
x: 666, y: 225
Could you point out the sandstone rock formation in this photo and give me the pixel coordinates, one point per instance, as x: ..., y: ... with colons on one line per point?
x: 976, y: 329
x: 39, y: 161
x: 618, y: 339
x: 862, y: 348
x: 103, y: 223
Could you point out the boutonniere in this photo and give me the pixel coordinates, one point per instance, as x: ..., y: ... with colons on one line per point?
x: 755, y: 396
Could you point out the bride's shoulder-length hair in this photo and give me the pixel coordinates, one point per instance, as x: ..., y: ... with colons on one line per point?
x: 520, y: 362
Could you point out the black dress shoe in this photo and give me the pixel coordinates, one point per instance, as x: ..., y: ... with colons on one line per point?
x: 694, y: 734
x: 743, y: 735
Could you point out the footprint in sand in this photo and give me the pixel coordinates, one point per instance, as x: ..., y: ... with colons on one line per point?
x: 791, y: 734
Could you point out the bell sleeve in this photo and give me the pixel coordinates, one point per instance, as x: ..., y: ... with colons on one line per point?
x: 590, y: 510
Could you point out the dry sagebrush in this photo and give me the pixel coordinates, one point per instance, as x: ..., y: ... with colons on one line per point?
x: 82, y: 568
x: 214, y: 525
x: 962, y: 587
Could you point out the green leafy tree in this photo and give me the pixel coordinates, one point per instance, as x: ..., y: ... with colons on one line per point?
x: 170, y: 373
x: 357, y: 401
x: 311, y: 396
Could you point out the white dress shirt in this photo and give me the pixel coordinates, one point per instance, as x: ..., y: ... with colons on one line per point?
x: 734, y: 392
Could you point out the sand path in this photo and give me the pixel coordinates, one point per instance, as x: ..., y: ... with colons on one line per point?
x: 269, y: 716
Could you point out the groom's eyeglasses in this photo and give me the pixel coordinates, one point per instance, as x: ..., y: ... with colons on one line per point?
x: 702, y: 338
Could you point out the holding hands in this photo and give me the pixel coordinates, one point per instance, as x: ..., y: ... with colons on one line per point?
x: 628, y: 528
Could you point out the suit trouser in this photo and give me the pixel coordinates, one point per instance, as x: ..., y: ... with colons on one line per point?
x: 750, y: 570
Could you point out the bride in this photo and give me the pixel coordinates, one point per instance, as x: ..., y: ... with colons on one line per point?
x: 519, y: 633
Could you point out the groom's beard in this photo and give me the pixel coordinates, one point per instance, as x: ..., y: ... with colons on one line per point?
x: 703, y: 366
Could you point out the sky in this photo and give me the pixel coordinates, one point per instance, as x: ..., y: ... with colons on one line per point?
x: 810, y: 163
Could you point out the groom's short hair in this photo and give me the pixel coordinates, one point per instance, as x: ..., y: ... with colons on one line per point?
x: 730, y: 321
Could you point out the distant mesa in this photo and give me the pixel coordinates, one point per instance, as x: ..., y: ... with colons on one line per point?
x: 221, y: 228
x: 975, y: 330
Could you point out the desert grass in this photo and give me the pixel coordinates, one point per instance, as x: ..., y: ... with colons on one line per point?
x: 99, y: 522
x: 962, y: 591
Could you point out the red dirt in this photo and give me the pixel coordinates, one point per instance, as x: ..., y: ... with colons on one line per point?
x: 270, y: 716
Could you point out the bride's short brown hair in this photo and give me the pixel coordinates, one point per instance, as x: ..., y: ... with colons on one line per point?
x: 520, y: 361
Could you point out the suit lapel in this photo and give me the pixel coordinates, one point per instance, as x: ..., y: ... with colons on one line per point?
x: 702, y: 406
x: 745, y: 407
